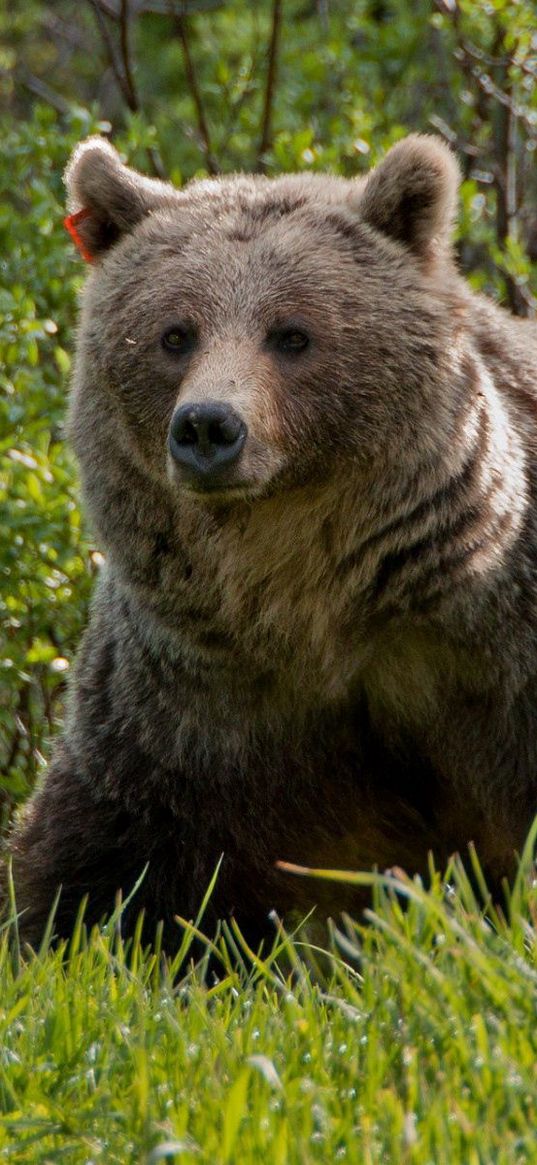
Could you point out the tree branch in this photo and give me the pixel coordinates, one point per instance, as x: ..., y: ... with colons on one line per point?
x: 132, y: 95
x: 123, y: 70
x: 266, y: 123
x: 110, y: 51
x: 181, y: 28
x: 40, y: 89
x: 490, y: 74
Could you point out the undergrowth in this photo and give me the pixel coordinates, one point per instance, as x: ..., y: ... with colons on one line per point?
x: 411, y: 1038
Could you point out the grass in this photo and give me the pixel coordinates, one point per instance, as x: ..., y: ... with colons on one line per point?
x: 412, y: 1042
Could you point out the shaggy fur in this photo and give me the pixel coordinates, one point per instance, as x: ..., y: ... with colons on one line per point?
x: 332, y: 658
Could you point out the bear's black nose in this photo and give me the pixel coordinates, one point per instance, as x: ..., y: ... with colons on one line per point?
x: 205, y: 438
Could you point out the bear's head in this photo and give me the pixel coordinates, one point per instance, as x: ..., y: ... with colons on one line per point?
x: 245, y: 335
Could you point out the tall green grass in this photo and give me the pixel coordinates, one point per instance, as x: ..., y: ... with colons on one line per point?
x: 411, y: 1040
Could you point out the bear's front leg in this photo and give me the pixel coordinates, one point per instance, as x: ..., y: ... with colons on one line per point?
x: 71, y: 840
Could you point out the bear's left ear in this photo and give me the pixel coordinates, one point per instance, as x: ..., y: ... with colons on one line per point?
x: 108, y: 198
x: 412, y: 195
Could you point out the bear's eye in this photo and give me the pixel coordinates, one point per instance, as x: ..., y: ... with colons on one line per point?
x: 179, y: 339
x: 289, y: 340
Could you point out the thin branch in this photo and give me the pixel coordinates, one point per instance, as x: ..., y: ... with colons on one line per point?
x: 60, y: 28
x: 20, y: 711
x: 270, y: 88
x: 510, y: 59
x: 108, y: 44
x: 246, y: 94
x: 109, y: 9
x: 499, y: 106
x: 322, y: 9
x: 470, y: 59
x: 504, y: 129
x: 134, y: 103
x: 180, y: 25
x: 123, y: 70
x: 45, y: 93
x: 487, y: 86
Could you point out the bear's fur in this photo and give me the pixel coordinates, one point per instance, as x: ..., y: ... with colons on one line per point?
x: 327, y: 655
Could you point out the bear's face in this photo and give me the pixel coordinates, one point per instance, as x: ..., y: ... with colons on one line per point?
x: 256, y: 334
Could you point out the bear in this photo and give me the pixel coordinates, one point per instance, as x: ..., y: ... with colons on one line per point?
x: 308, y: 452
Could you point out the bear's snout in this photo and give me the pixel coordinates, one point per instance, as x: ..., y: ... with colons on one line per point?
x: 205, y: 439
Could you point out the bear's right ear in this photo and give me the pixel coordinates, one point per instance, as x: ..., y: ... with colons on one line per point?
x: 105, y: 198
x: 411, y: 197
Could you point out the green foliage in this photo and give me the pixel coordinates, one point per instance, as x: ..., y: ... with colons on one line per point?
x: 45, y: 568
x: 337, y: 98
x: 414, y: 1044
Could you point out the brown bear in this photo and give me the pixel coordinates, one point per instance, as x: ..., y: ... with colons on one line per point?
x: 308, y: 451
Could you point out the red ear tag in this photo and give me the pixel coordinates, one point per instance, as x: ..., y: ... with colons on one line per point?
x: 70, y: 224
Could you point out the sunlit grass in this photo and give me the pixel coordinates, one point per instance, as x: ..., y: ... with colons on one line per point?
x: 412, y: 1041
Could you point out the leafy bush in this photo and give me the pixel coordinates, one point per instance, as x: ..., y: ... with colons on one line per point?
x: 45, y: 565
